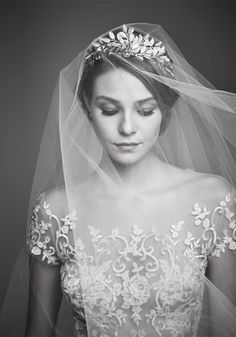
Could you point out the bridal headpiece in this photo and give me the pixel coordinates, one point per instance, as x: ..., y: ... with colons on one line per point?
x: 128, y: 43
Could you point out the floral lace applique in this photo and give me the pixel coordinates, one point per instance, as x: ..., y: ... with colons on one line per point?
x: 139, y: 282
x: 219, y: 230
x: 39, y: 239
x: 139, y: 286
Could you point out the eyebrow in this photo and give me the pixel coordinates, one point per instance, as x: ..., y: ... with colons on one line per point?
x: 117, y: 102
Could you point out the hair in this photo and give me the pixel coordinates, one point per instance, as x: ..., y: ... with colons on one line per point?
x: 164, y: 95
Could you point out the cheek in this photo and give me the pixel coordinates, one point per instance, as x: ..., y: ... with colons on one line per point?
x: 102, y: 128
x: 152, y: 128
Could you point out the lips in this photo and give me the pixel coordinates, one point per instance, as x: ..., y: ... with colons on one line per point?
x: 127, y: 144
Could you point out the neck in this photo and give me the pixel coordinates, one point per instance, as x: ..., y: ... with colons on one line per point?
x: 139, y: 176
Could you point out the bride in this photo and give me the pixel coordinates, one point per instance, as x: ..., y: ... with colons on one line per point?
x: 133, y: 215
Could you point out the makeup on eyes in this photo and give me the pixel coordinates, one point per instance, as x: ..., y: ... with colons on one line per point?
x: 115, y: 107
x: 147, y: 110
x: 108, y: 109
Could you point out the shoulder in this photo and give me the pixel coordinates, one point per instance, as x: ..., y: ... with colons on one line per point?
x: 200, y: 185
x: 54, y: 200
x: 212, y: 188
x: 211, y: 184
x: 49, y: 208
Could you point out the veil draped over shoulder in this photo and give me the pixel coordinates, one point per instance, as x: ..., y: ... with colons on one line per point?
x: 128, y: 268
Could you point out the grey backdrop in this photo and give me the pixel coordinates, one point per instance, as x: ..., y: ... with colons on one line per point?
x: 38, y: 38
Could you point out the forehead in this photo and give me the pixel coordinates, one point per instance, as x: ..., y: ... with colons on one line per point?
x: 120, y: 85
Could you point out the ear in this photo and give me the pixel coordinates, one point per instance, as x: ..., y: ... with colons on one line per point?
x: 86, y: 107
x: 89, y: 116
x: 88, y: 113
x: 166, y: 114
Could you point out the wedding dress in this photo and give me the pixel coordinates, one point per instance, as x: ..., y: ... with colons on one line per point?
x: 136, y: 278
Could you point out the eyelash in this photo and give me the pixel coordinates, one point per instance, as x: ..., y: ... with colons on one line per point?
x: 147, y: 112
x: 109, y: 112
x: 114, y: 112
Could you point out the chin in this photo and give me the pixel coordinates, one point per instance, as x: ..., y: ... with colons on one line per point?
x: 126, y: 159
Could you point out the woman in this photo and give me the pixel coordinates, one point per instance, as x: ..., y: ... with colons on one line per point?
x: 136, y: 225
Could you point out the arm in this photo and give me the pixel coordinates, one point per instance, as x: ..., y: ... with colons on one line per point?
x: 221, y: 296
x: 221, y: 271
x: 44, y: 299
x: 44, y: 270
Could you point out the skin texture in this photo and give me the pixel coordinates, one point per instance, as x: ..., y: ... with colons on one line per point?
x: 120, y: 114
x: 126, y: 120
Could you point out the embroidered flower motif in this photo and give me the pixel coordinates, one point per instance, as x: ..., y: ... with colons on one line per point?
x: 46, y: 208
x: 96, y: 287
x: 177, y: 322
x: 175, y: 229
x: 229, y: 240
x: 69, y: 218
x: 36, y: 250
x: 73, y: 282
x: 216, y: 252
x: 38, y: 239
x: 95, y: 234
x: 79, y: 245
x: 232, y: 224
x: 137, y: 238
x: 49, y: 255
x: 171, y: 290
x: 188, y: 241
x: 199, y: 213
x: 147, y: 269
x: 65, y: 229
x: 44, y: 226
x: 135, y: 290
x: 232, y: 245
x: 206, y: 223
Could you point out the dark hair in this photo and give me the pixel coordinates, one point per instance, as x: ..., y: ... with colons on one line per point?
x: 164, y: 95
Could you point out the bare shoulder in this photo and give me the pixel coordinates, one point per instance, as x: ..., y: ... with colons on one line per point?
x: 209, y: 187
x: 56, y: 200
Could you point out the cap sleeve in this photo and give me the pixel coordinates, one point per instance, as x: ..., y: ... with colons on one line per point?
x: 223, y: 219
x: 41, y: 234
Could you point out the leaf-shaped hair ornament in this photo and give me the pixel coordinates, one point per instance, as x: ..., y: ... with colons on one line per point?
x: 128, y: 43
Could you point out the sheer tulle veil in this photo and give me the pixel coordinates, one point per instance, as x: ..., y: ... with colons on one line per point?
x: 200, y: 136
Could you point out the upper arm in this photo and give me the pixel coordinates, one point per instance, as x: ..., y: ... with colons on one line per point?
x: 219, y: 299
x: 44, y: 299
x: 44, y: 282
x: 222, y: 258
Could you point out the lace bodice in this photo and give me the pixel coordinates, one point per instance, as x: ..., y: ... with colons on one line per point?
x: 144, y: 284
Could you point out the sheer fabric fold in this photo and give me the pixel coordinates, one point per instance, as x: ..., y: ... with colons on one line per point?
x: 127, y: 268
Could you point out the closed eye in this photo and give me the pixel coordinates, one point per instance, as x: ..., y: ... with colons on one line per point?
x: 109, y: 112
x: 146, y: 112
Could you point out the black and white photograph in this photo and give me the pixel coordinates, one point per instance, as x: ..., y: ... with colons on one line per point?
x: 118, y: 170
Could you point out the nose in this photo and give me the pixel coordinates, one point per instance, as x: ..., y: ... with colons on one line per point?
x: 127, y: 125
